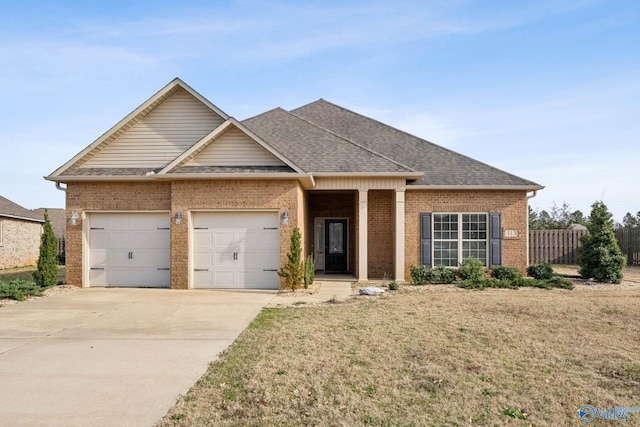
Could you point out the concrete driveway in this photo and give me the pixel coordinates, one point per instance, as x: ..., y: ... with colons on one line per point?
x: 105, y: 357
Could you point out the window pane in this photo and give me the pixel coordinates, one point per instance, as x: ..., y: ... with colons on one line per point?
x: 445, y: 226
x: 474, y: 226
x: 445, y: 253
x: 477, y: 250
x: 335, y: 238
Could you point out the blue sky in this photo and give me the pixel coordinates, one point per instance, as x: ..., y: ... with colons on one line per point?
x: 547, y: 90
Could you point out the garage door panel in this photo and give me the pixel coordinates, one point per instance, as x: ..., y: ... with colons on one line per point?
x: 203, y: 259
x: 148, y: 259
x: 224, y: 279
x: 224, y: 260
x: 202, y: 239
x: 202, y: 279
x: 129, y: 249
x: 260, y: 280
x: 259, y: 260
x: 267, y: 241
x: 224, y: 240
x: 245, y: 244
x: 148, y: 239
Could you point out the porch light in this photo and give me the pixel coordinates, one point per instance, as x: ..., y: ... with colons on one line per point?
x: 74, y: 218
x: 285, y: 217
x: 178, y: 217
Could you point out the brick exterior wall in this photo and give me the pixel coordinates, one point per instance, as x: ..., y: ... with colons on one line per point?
x: 511, y: 204
x: 180, y: 196
x: 302, y: 206
x: 107, y: 196
x: 380, y: 225
x: 230, y: 194
x: 20, y: 243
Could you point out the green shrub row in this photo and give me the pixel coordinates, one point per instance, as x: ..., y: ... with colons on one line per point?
x: 421, y: 275
x: 522, y: 282
x: 472, y: 275
x: 19, y: 289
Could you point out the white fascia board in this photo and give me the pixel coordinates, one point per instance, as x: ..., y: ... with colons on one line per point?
x: 408, y: 175
x: 85, y: 178
x: 306, y: 179
x: 476, y: 187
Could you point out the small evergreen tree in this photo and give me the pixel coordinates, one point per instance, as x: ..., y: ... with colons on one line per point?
x: 599, y: 256
x: 309, y: 271
x: 293, y: 272
x: 47, y: 273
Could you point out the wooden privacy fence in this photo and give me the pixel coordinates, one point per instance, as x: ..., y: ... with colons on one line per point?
x: 629, y: 241
x: 60, y: 250
x: 561, y: 246
x: 554, y: 246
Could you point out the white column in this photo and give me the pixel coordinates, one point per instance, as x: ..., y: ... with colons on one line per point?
x: 362, y: 235
x: 399, y: 237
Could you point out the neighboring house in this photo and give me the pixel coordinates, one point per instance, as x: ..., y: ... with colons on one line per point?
x: 20, y: 231
x: 57, y: 217
x: 180, y: 194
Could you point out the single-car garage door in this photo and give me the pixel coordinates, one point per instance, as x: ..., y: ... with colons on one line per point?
x: 236, y: 250
x: 129, y: 249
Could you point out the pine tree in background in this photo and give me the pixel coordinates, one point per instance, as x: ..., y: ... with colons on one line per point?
x: 600, y: 256
x: 47, y: 273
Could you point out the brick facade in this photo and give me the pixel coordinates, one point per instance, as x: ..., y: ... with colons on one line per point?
x: 177, y: 196
x: 511, y: 204
x: 230, y: 194
x: 107, y: 196
x: 19, y: 243
x: 380, y: 227
x: 303, y: 207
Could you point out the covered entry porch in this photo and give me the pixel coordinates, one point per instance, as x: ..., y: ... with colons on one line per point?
x: 357, y: 231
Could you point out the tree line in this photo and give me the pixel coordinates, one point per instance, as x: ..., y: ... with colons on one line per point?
x: 563, y: 217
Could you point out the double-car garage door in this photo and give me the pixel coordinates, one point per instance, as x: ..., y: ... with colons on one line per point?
x: 229, y: 249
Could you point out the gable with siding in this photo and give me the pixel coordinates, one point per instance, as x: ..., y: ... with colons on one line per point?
x: 234, y: 148
x: 166, y: 132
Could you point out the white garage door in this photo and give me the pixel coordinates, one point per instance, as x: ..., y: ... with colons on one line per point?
x: 129, y: 249
x: 236, y: 250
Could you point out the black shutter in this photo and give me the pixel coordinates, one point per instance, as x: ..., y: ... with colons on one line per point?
x: 495, y: 242
x: 425, y: 239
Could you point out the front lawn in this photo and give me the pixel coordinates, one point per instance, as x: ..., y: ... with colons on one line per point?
x: 432, y: 355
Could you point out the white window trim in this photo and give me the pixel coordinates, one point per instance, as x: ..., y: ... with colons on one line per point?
x: 460, y: 240
x: 1, y: 232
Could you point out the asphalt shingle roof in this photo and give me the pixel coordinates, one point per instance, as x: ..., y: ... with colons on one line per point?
x: 441, y: 166
x: 14, y: 210
x: 315, y: 149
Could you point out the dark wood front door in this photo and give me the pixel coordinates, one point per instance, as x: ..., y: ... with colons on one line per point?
x: 335, y: 245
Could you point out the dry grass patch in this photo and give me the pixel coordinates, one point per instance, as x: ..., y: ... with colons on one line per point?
x: 423, y: 356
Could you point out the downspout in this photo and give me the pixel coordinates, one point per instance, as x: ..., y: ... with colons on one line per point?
x: 534, y: 194
x: 60, y: 187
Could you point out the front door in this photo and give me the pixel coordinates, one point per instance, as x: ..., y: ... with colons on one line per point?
x: 335, y: 245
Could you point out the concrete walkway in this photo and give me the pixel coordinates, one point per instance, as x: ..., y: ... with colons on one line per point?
x: 329, y: 290
x: 113, y: 357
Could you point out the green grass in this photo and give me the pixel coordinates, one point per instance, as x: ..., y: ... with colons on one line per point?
x: 18, y: 284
